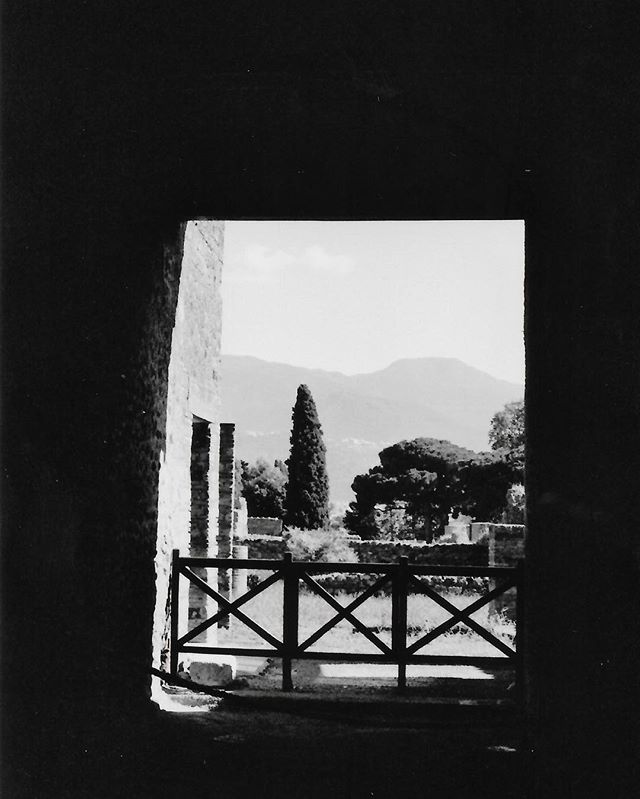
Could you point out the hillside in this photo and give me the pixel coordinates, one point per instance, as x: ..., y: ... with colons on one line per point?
x: 361, y: 414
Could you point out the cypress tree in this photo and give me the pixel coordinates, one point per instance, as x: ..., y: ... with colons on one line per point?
x: 307, y: 497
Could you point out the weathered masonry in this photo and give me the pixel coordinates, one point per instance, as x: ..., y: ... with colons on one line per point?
x: 196, y: 479
x: 227, y: 479
x: 189, y: 460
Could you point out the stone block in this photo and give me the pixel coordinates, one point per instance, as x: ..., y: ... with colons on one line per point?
x: 215, y: 670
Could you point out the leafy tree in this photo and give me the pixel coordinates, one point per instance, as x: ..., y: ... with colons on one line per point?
x: 507, y: 437
x: 430, y: 479
x: 484, y: 482
x: 307, y: 493
x: 422, y: 473
x: 507, y: 432
x: 319, y: 545
x: 263, y: 486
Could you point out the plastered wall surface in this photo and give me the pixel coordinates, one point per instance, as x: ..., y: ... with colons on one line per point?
x: 193, y: 390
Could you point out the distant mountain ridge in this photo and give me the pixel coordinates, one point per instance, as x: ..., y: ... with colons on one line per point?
x: 363, y: 413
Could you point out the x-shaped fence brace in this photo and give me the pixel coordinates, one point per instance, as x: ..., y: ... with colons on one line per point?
x: 404, y: 579
x: 230, y: 608
x: 461, y: 615
x: 345, y: 612
x: 457, y: 614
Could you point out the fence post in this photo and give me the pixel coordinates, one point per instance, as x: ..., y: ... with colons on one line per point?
x: 175, y: 607
x: 520, y: 633
x: 400, y: 585
x: 289, y: 620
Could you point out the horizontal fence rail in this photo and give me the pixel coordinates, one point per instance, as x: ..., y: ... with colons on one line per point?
x: 401, y: 579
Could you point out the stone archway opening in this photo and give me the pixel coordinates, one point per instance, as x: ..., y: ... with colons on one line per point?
x: 188, y: 475
x: 224, y: 546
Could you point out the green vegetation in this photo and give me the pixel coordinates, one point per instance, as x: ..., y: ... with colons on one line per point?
x: 507, y: 437
x: 507, y: 433
x: 431, y: 479
x: 307, y: 493
x: 263, y: 487
x: 328, y: 546
x: 484, y: 482
x: 419, y: 483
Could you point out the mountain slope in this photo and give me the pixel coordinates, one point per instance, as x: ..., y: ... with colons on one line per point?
x: 360, y: 414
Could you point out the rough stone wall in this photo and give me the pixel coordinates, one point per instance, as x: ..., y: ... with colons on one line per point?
x: 267, y: 547
x: 200, y: 454
x: 506, y: 544
x: 226, y: 503
x: 418, y: 552
x: 116, y: 552
x: 227, y: 484
x: 193, y: 390
x: 503, y: 547
x: 199, y: 602
x: 264, y: 525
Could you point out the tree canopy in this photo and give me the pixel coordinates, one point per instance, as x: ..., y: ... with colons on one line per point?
x: 431, y: 478
x: 484, y: 482
x: 420, y: 473
x: 307, y: 493
x: 263, y: 487
x: 507, y: 437
x: 507, y: 432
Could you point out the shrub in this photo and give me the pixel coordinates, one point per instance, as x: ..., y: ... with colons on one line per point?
x: 319, y: 545
x: 263, y: 487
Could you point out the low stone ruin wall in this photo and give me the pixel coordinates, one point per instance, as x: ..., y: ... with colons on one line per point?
x: 265, y: 547
x: 506, y: 544
x: 264, y: 525
x: 419, y: 552
x: 500, y: 545
x: 503, y: 545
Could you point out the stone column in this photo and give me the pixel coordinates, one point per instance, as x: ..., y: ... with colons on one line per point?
x: 239, y: 576
x: 226, y: 491
x: 200, y: 605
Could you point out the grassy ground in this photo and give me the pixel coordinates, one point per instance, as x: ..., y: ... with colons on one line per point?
x: 423, y: 614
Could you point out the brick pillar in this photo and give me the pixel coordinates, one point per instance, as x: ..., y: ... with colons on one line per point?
x: 226, y: 490
x: 200, y: 605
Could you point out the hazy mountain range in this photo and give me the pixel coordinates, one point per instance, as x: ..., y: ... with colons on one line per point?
x: 361, y: 414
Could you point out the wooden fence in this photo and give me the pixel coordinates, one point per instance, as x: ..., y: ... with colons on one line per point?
x: 402, y: 578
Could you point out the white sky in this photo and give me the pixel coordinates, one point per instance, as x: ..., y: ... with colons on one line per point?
x: 355, y: 296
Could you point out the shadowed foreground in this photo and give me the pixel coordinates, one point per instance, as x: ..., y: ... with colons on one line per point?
x: 246, y: 751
